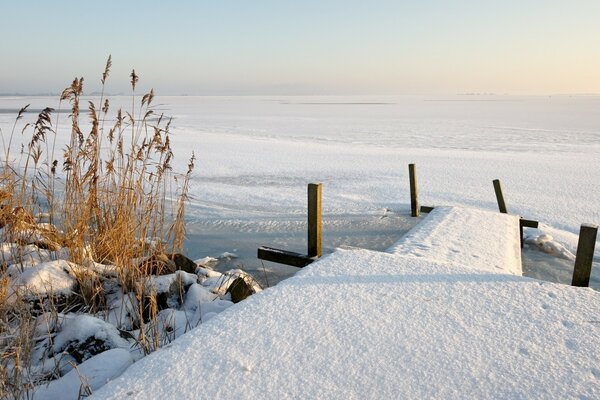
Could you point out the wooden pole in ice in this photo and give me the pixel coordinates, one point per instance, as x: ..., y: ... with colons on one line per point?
x: 585, y: 255
x: 499, y: 196
x: 314, y: 220
x: 414, y: 197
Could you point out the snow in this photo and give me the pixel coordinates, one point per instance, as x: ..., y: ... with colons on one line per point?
x: 48, y: 277
x: 162, y: 283
x: 364, y: 324
x: 28, y: 254
x: 89, y: 376
x: 547, y: 244
x: 478, y: 238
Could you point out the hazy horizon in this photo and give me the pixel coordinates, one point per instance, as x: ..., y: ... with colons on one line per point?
x: 266, y: 47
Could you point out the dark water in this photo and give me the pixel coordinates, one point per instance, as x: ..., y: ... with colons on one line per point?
x: 213, y: 237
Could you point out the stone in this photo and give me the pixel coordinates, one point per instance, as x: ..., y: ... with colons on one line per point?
x: 158, y: 264
x: 240, y: 289
x: 183, y: 263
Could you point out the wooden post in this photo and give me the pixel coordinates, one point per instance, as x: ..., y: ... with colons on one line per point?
x: 314, y: 220
x: 585, y: 255
x: 521, y: 233
x: 499, y: 196
x: 414, y: 197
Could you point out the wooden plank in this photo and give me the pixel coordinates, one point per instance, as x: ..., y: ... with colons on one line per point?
x: 526, y: 223
x: 314, y: 219
x: 529, y: 223
x: 284, y: 257
x: 499, y: 196
x: 521, y: 234
x: 414, y: 196
x: 585, y: 255
x: 426, y: 209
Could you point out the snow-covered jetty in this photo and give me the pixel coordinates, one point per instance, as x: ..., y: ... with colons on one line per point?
x: 475, y: 238
x: 444, y: 314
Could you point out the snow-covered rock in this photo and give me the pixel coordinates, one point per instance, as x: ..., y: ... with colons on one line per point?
x: 81, y: 336
x: 51, y: 277
x: 87, y: 377
x: 547, y: 244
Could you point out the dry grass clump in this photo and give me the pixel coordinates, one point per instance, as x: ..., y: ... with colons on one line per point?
x: 109, y: 197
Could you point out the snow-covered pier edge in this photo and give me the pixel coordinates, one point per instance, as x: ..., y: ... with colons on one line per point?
x: 445, y: 314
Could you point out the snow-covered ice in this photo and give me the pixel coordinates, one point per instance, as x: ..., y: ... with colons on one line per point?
x: 255, y: 155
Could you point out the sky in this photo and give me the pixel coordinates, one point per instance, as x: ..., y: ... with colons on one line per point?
x: 277, y: 47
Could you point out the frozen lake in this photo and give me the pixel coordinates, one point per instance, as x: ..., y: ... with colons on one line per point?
x: 256, y: 155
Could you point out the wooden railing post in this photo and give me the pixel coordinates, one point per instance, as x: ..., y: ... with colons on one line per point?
x: 585, y: 255
x: 499, y: 196
x: 414, y: 196
x: 526, y: 223
x: 314, y: 220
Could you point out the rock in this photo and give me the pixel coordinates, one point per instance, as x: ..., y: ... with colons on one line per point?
x: 165, y: 291
x: 183, y: 263
x: 79, y: 335
x: 240, y: 289
x: 158, y: 264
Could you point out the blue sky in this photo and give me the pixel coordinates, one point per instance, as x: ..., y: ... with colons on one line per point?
x: 304, y: 47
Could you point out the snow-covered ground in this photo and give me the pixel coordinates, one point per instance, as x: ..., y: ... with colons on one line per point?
x: 363, y: 324
x: 256, y: 155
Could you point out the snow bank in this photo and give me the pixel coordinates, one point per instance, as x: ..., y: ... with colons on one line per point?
x: 363, y: 324
x: 481, y: 239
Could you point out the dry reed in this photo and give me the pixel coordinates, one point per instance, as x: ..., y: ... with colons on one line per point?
x: 108, y: 199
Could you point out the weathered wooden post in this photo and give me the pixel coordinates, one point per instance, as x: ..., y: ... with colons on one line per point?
x: 414, y: 196
x: 499, y: 196
x: 314, y: 220
x: 314, y: 236
x: 585, y: 255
